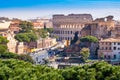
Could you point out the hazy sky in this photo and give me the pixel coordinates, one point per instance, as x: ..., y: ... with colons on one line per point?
x: 25, y: 9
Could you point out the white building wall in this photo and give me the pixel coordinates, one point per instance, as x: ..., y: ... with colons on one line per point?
x: 4, y: 25
x: 117, y: 51
x: 108, y: 54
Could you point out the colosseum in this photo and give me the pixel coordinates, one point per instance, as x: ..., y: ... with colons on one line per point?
x: 65, y: 26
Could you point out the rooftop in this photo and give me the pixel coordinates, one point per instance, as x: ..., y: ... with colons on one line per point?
x: 4, y: 25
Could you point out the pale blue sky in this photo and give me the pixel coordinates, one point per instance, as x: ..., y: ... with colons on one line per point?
x: 25, y: 9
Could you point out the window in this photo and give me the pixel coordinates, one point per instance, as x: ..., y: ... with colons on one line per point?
x: 109, y: 43
x: 114, y: 43
x: 102, y: 48
x: 118, y: 43
x: 114, y: 48
x: 118, y: 48
x: 106, y: 48
x: 104, y: 56
x: 109, y: 48
x: 60, y: 38
x: 108, y: 56
x: 114, y: 56
x: 68, y: 32
x: 106, y: 43
x: 68, y: 38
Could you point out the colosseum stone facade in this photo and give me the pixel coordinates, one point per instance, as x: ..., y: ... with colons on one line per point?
x: 66, y: 26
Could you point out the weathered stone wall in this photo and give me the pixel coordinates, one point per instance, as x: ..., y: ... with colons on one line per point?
x: 66, y: 26
x: 100, y: 28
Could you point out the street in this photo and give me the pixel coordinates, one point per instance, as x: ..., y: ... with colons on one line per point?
x: 40, y: 55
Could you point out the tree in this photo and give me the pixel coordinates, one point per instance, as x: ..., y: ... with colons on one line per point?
x: 13, y: 69
x: 75, y: 38
x: 26, y: 26
x: 85, y: 52
x: 69, y: 74
x: 3, y: 44
x: 51, y: 76
x: 89, y: 39
x: 26, y: 37
x: 25, y: 57
x: 54, y: 36
x: 32, y: 36
x: 8, y: 55
x: 42, y: 33
x: 3, y: 48
x: 50, y: 30
x: 22, y: 37
x: 3, y: 40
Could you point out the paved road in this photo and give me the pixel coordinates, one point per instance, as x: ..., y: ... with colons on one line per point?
x: 60, y: 44
x: 38, y: 56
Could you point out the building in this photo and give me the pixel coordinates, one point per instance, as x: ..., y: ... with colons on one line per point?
x: 100, y: 28
x: 41, y: 23
x: 14, y: 26
x: 20, y: 48
x: 5, y: 32
x: 12, y: 45
x: 38, y: 25
x: 66, y: 26
x: 109, y: 48
x: 115, y: 32
x: 49, y: 24
x: 40, y: 44
x: 46, y: 42
x: 4, y: 24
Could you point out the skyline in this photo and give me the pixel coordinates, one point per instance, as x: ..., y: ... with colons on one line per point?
x: 25, y: 9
